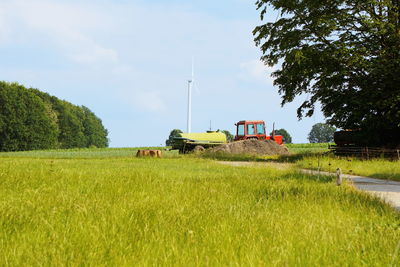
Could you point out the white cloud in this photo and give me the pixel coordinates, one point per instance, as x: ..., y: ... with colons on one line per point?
x: 151, y: 101
x: 122, y: 70
x: 255, y: 69
x: 94, y: 54
x: 67, y: 26
x: 148, y: 101
x: 4, y: 28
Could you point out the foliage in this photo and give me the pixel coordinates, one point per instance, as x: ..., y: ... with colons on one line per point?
x: 343, y: 54
x: 94, y: 131
x: 321, y: 133
x: 31, y: 119
x: 185, y: 212
x: 173, y: 133
x: 25, y: 123
x: 71, y: 125
x: 287, y: 139
x: 229, y: 136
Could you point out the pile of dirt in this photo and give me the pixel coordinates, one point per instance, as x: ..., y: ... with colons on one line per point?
x: 251, y: 147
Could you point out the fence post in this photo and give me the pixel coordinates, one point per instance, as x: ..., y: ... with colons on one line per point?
x: 319, y: 166
x: 367, y: 154
x: 338, y: 176
x: 398, y: 154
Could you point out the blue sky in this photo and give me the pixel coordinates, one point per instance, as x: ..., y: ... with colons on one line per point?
x: 129, y: 61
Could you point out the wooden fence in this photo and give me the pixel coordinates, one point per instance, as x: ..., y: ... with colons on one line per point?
x: 366, y: 152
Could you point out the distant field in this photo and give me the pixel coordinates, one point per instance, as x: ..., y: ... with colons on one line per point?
x: 83, y: 153
x: 102, y: 208
x: 308, y: 148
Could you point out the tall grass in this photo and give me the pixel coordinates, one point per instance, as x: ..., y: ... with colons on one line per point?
x: 82, y: 153
x: 185, y: 211
x: 315, y: 156
x: 308, y: 148
x: 379, y: 168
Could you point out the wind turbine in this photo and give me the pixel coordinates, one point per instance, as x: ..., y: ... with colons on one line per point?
x: 189, y: 107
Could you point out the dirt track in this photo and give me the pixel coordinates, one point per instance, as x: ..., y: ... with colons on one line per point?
x: 276, y: 165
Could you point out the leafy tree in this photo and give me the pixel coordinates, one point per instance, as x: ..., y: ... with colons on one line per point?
x: 48, y: 101
x: 94, y: 131
x: 77, y: 126
x: 321, y: 133
x: 24, y: 120
x: 229, y: 136
x: 343, y: 54
x: 70, y: 121
x: 173, y: 133
x: 287, y: 139
x: 31, y: 119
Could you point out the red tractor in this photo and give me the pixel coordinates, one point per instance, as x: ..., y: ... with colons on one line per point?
x: 255, y: 130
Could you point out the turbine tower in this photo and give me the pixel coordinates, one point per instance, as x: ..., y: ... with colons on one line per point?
x: 189, y: 110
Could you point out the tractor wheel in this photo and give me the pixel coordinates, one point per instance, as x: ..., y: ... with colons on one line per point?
x: 198, y: 149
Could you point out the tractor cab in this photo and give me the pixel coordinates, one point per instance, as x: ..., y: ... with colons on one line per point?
x: 250, y: 130
x: 254, y: 130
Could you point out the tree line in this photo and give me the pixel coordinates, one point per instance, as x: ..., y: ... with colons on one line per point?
x: 31, y: 119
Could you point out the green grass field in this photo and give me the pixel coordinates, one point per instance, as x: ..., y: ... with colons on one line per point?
x: 378, y: 168
x: 94, y: 209
x: 308, y: 148
x: 83, y: 153
x: 316, y: 156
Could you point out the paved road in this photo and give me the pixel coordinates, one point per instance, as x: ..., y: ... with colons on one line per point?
x: 387, y: 190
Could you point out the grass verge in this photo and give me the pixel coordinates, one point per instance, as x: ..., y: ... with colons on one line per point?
x: 314, y: 156
x: 378, y: 168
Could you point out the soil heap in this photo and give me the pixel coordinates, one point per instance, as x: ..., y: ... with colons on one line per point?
x: 252, y: 147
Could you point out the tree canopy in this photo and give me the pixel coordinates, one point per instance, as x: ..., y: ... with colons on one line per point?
x: 342, y: 54
x: 229, y: 136
x: 172, y: 134
x: 287, y: 139
x: 31, y: 119
x: 24, y: 120
x: 321, y: 133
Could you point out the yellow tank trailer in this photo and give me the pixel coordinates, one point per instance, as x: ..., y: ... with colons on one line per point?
x: 186, y: 142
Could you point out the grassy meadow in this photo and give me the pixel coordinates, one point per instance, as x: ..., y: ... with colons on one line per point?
x: 90, y: 209
x: 309, y: 148
x: 378, y: 168
x: 317, y: 156
x: 82, y: 153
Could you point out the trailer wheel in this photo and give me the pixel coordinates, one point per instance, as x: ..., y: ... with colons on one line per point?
x: 198, y: 149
